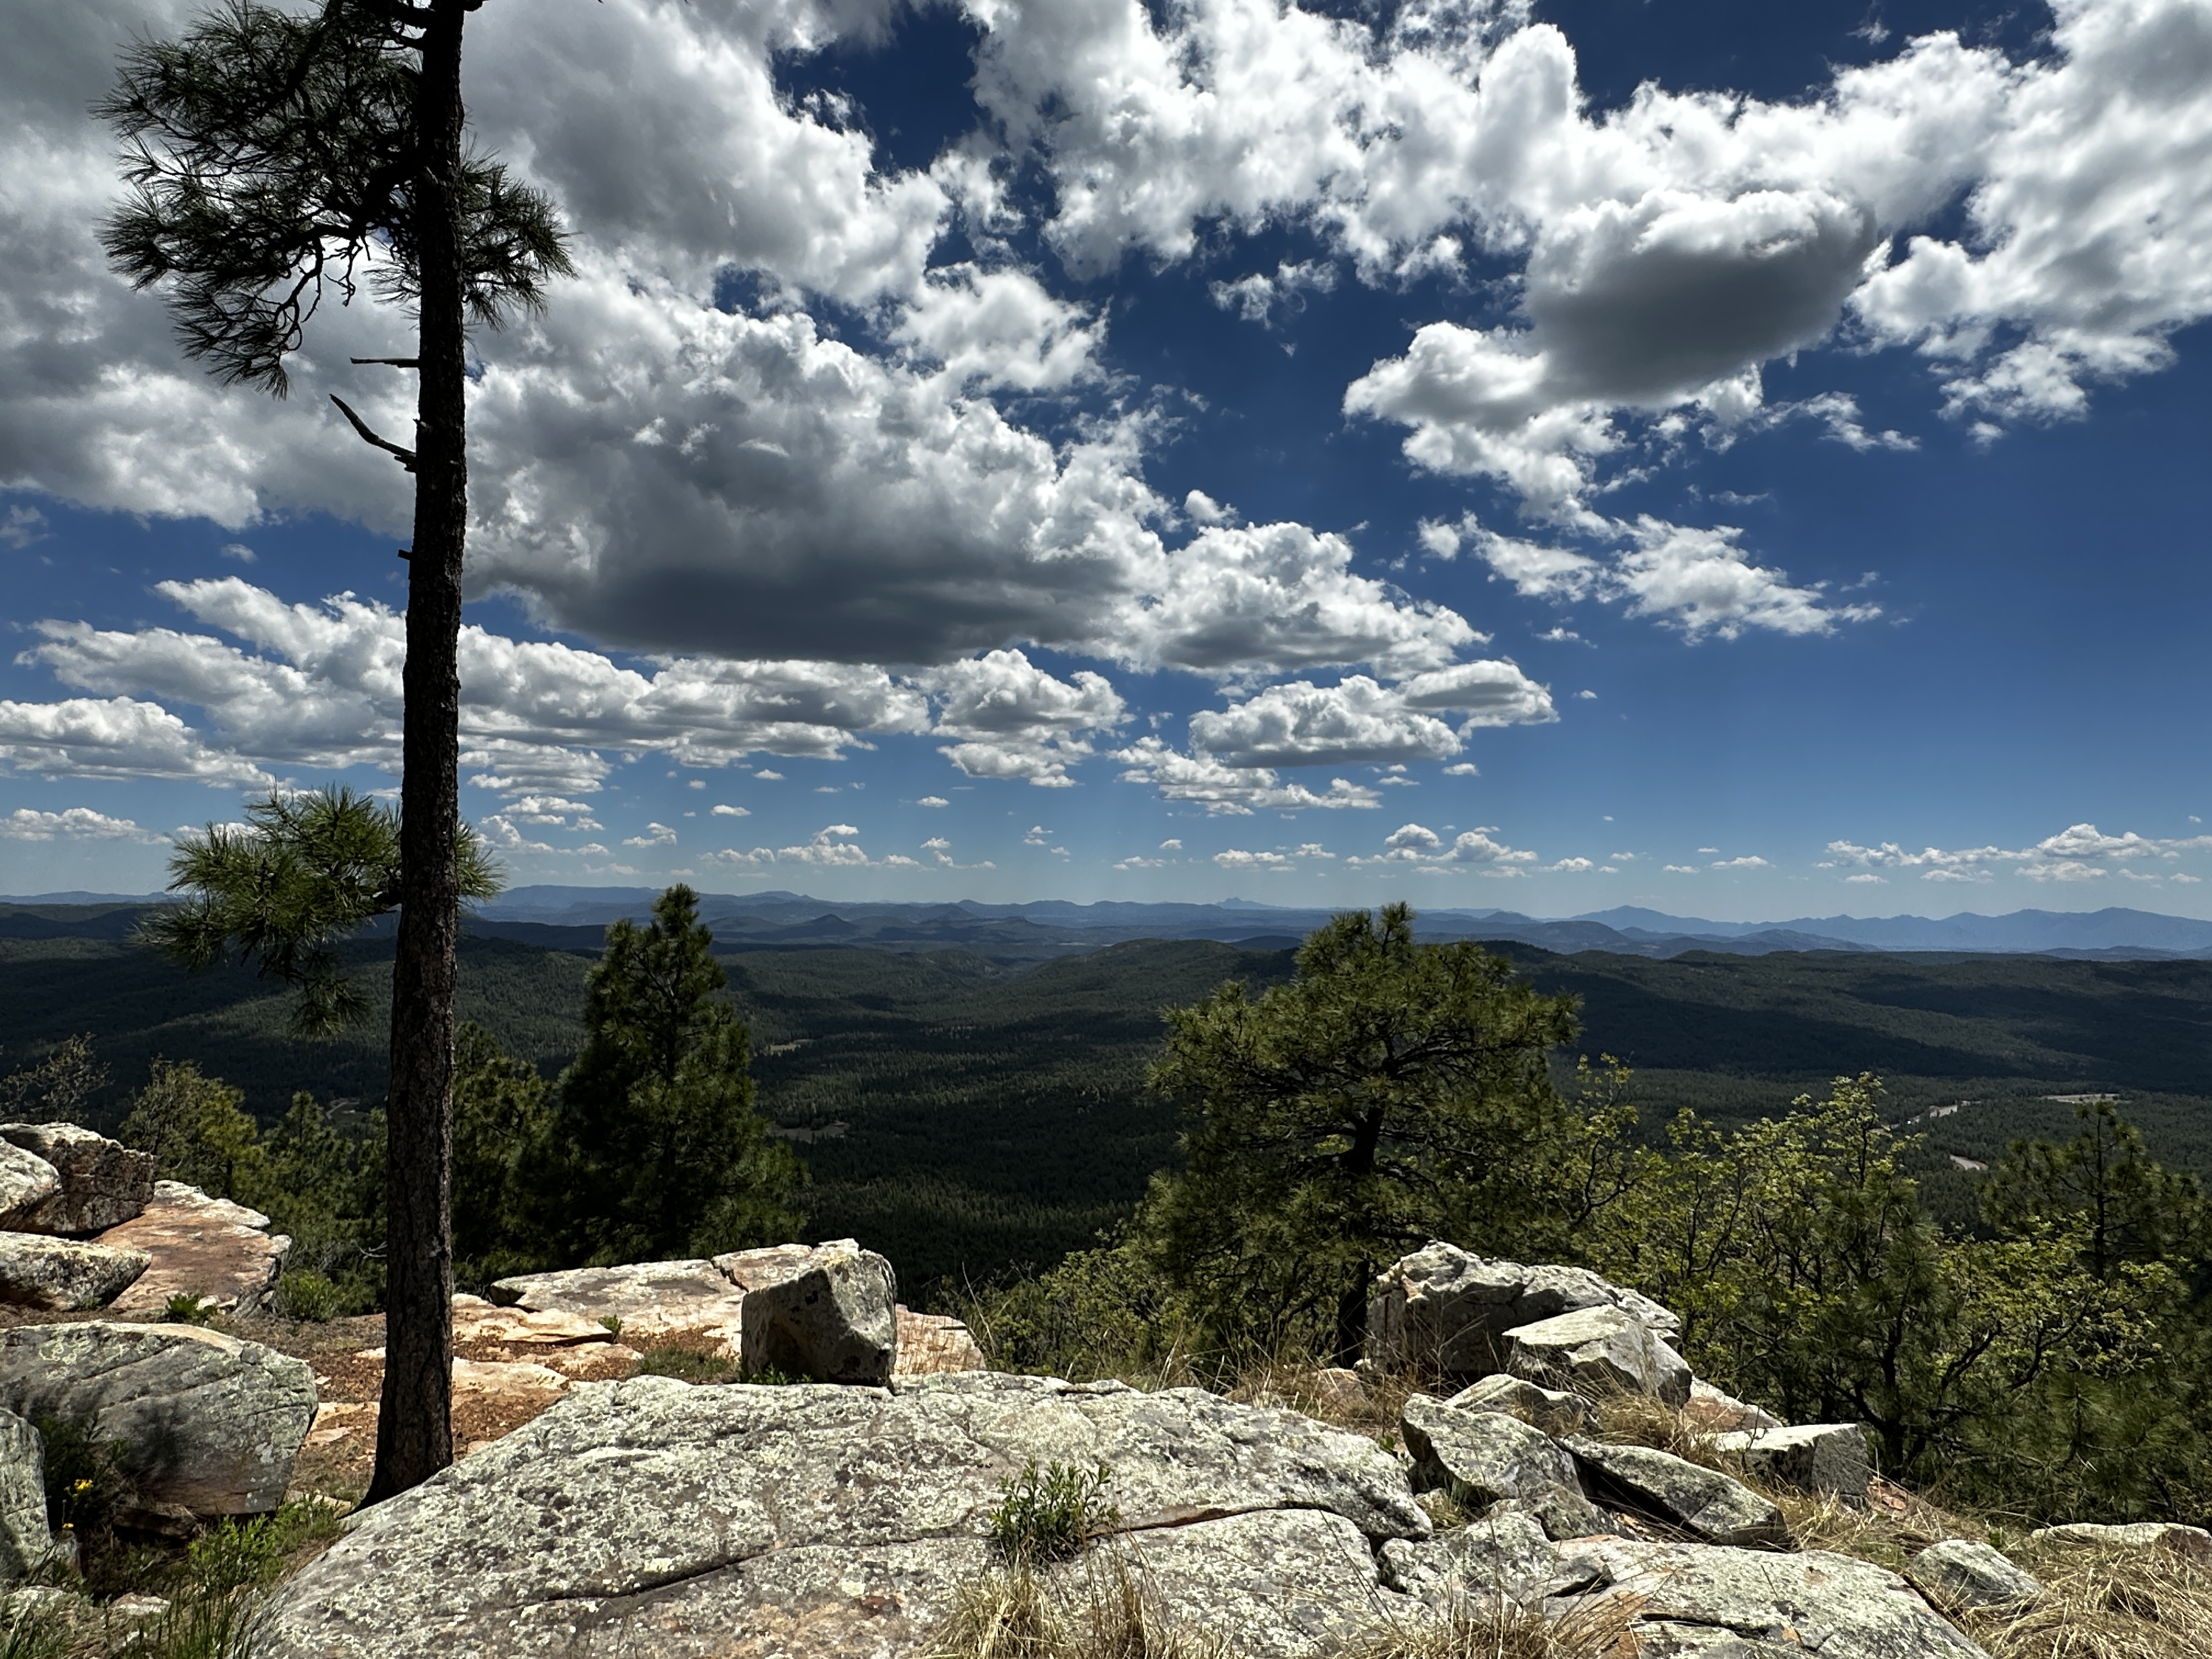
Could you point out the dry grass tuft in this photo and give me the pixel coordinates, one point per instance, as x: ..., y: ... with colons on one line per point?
x: 1494, y: 1627
x: 2104, y: 1605
x: 1104, y: 1611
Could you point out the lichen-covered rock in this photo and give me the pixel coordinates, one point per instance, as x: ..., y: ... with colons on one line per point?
x: 1480, y: 1457
x: 1813, y: 1602
x: 1723, y: 1413
x: 207, y: 1425
x: 102, y: 1184
x: 2192, y: 1543
x: 654, y: 1517
x: 930, y: 1345
x: 1340, y: 1390
x: 1960, y: 1573
x: 820, y: 1311
x: 1598, y: 1351
x: 1698, y: 1500
x: 26, y: 1181
x: 648, y: 1302
x: 1276, y: 1583
x: 220, y: 1252
x: 1563, y: 1512
x: 1830, y: 1457
x: 26, y: 1541
x: 1442, y: 1310
x: 1670, y: 1638
x: 63, y: 1274
x: 1549, y: 1409
x: 1502, y: 1554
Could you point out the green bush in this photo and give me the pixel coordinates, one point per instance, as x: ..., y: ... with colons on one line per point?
x: 185, y: 1308
x: 308, y: 1297
x: 687, y: 1362
x: 1050, y: 1514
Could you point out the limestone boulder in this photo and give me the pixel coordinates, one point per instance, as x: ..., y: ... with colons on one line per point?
x: 1686, y: 1599
x: 651, y: 1516
x: 1445, y: 1311
x: 1597, y: 1352
x: 2192, y: 1543
x: 1830, y: 1457
x: 1554, y: 1412
x: 101, y: 1183
x: 27, y: 1181
x: 208, y: 1425
x: 220, y: 1252
x: 1480, y: 1457
x: 64, y: 1274
x: 648, y: 1303
x: 823, y: 1312
x: 1964, y: 1573
x: 26, y: 1542
x: 1700, y: 1501
x: 930, y: 1345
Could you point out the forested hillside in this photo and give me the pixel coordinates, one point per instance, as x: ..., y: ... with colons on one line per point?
x: 968, y: 1115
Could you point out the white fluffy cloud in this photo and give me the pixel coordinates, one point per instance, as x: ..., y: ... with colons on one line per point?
x: 2081, y: 851
x: 1418, y: 845
x: 73, y: 823
x: 1301, y: 724
x: 1230, y: 790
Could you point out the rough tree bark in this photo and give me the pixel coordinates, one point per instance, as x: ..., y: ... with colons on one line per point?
x: 415, y: 1431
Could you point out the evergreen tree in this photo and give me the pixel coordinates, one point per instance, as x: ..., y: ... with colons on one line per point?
x: 664, y: 1154
x: 2127, y: 1206
x: 1390, y: 1093
x: 272, y: 154
x: 502, y: 1114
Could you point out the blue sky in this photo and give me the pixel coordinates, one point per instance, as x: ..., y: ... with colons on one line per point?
x: 1745, y: 460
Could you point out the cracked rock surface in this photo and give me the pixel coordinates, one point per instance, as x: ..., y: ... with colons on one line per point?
x: 653, y: 1516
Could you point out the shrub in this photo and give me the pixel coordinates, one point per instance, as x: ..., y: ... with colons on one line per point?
x: 687, y: 1361
x: 308, y: 1297
x: 1049, y: 1514
x: 81, y: 1485
x: 185, y: 1308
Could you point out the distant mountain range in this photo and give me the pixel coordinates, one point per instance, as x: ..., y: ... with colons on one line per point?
x: 573, y: 918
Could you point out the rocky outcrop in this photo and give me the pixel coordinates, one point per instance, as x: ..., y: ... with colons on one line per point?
x: 1503, y: 1554
x: 210, y: 1248
x: 27, y: 1181
x: 2191, y: 1543
x: 98, y: 1183
x: 1830, y: 1457
x: 1700, y: 1501
x: 1960, y: 1574
x: 1716, y: 1413
x: 1480, y: 1458
x: 931, y: 1345
x: 26, y: 1542
x: 208, y: 1425
x: 63, y: 1274
x: 820, y: 1311
x: 476, y: 1321
x: 1598, y: 1352
x: 1683, y: 1599
x: 823, y: 1312
x: 1443, y: 1311
x: 653, y: 1516
x: 1554, y: 1412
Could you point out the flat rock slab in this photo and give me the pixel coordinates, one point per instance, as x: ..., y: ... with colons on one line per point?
x: 210, y: 1426
x: 1829, y: 1457
x: 1480, y: 1457
x: 1597, y: 1352
x: 26, y: 1181
x: 101, y: 1183
x: 1443, y: 1310
x: 63, y: 1274
x: 652, y: 1301
x: 930, y: 1345
x: 209, y: 1248
x: 476, y: 1321
x: 1836, y: 1606
x: 1964, y: 1572
x: 1554, y: 1412
x: 1698, y: 1500
x: 655, y: 1517
x: 2192, y: 1543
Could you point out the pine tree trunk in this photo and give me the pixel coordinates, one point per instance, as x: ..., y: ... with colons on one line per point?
x: 415, y: 1431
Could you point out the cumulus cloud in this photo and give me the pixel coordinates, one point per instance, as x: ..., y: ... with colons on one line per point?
x: 1015, y: 720
x: 2081, y: 851
x: 73, y: 823
x: 1418, y: 845
x: 120, y: 738
x: 1230, y: 790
